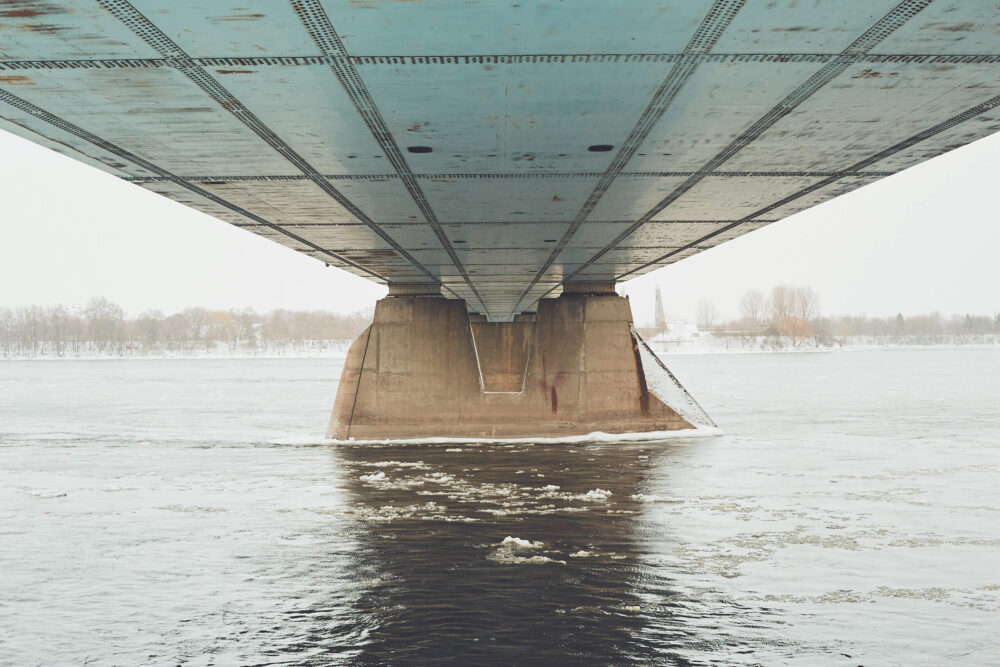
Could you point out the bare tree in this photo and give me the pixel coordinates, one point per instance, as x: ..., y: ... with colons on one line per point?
x: 149, y: 329
x: 780, y: 305
x: 246, y: 327
x: 104, y: 322
x: 804, y: 303
x: 197, y: 319
x: 58, y: 325
x: 754, y: 308
x: 707, y: 314
x: 8, y: 332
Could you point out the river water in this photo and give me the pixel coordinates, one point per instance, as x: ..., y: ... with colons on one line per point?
x: 186, y: 512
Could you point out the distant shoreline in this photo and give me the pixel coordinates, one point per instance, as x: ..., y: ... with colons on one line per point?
x: 340, y: 352
x: 675, y: 352
x: 325, y: 349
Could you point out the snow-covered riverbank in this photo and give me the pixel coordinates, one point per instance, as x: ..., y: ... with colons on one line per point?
x: 335, y: 349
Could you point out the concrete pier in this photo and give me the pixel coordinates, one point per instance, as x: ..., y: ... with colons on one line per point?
x: 426, y: 368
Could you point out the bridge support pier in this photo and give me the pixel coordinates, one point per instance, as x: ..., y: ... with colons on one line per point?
x: 426, y: 368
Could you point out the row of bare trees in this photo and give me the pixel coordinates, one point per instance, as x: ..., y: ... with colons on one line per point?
x: 101, y: 327
x: 790, y: 316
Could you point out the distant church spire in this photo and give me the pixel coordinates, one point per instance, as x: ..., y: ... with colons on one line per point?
x: 659, y: 319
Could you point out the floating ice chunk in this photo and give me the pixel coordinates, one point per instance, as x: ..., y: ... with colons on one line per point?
x: 507, y: 558
x: 582, y: 553
x: 501, y: 512
x: 596, y: 495
x: 419, y: 465
x: 542, y: 559
x: 596, y: 436
x: 453, y: 449
x: 550, y: 487
x: 511, y: 549
x: 376, y: 477
x: 303, y: 441
x: 635, y: 609
x: 46, y: 493
x: 653, y: 498
x: 518, y: 543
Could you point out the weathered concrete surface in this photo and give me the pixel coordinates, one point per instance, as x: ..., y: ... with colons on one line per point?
x: 504, y: 352
x: 413, y: 373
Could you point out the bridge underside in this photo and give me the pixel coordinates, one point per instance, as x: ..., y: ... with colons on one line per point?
x: 496, y: 152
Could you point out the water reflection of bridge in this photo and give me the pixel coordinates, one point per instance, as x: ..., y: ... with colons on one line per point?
x: 583, y: 581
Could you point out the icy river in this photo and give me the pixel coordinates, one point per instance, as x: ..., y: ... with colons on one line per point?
x: 188, y: 512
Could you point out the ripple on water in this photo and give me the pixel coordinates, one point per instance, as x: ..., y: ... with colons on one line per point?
x: 149, y: 524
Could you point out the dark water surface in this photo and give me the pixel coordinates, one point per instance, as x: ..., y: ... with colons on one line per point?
x: 186, y: 512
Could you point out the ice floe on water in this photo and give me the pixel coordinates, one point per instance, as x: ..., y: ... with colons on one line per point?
x: 595, y: 437
x: 513, y: 551
x: 46, y: 493
x: 415, y: 465
x: 429, y: 511
x: 496, y: 498
x: 507, y: 558
x: 592, y: 496
x: 300, y: 441
x: 518, y: 543
x: 653, y: 498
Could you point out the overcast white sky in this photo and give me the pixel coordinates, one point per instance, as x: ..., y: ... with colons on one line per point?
x: 926, y: 239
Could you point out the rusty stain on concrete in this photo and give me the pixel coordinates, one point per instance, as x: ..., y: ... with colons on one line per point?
x: 965, y: 26
x: 240, y: 17
x: 42, y: 27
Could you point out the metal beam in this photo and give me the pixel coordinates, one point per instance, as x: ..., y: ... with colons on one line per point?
x: 867, y: 41
x: 43, y: 115
x: 712, y: 26
x: 182, y: 62
x: 322, y: 32
x: 958, y: 119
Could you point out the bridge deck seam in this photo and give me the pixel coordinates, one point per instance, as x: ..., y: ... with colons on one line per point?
x: 502, y: 59
x: 519, y: 176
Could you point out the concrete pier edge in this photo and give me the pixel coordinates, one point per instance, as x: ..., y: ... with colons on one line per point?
x: 426, y: 369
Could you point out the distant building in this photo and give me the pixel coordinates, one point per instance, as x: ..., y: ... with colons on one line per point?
x: 659, y: 317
